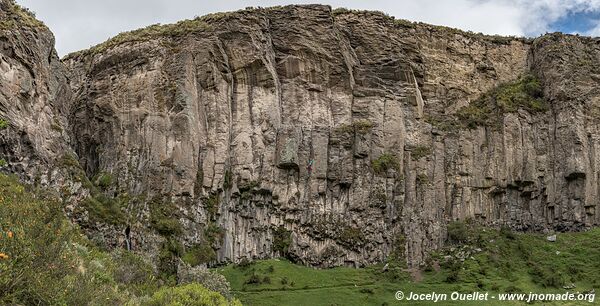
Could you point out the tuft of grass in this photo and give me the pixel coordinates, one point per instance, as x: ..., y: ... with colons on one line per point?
x: 360, y: 127
x: 385, y: 162
x: 103, y: 180
x: 420, y: 152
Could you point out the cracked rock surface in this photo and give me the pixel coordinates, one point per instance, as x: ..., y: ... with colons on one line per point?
x: 309, y: 133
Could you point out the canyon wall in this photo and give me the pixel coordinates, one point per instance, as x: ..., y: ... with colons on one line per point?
x: 330, y: 137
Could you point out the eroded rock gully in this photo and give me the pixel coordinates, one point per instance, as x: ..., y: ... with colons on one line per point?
x: 301, y: 130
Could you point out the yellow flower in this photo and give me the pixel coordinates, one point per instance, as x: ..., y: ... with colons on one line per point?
x: 10, y: 234
x: 3, y: 256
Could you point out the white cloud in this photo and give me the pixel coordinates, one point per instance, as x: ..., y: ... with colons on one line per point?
x: 79, y: 24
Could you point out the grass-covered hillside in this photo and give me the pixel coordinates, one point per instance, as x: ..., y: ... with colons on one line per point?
x: 45, y: 260
x: 479, y: 260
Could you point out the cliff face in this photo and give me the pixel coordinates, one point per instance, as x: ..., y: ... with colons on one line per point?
x: 35, y: 99
x: 334, y: 138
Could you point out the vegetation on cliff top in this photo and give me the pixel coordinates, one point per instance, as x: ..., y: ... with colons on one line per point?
x: 203, y: 23
x: 18, y: 16
x: 441, y: 29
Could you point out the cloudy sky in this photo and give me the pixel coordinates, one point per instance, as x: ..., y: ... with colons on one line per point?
x: 79, y: 24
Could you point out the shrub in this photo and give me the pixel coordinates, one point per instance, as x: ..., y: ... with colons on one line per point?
x: 254, y: 279
x: 457, y: 231
x: 3, y: 124
x: 190, y: 295
x: 168, y: 257
x: 134, y: 271
x: 211, y: 204
x: 507, y: 233
x: 367, y: 290
x: 422, y: 179
x: 547, y: 277
x: 163, y: 218
x: 227, y: 180
x: 105, y: 209
x: 282, y: 239
x: 199, y: 254
x: 420, y: 152
x: 359, y: 127
x: 212, y: 281
x: 45, y: 262
x: 385, y: 162
x: 351, y: 237
x: 104, y: 180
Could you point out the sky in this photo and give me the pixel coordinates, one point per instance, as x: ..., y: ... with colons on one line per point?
x: 80, y: 24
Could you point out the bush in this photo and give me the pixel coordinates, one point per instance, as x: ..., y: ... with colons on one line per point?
x: 199, y: 254
x: 3, y: 124
x: 266, y: 280
x: 212, y: 281
x: 458, y: 232
x: 163, y: 218
x: 507, y: 233
x: 104, y: 180
x: 254, y: 279
x: 134, y: 271
x: 547, y: 277
x: 384, y: 163
x: 420, y: 152
x: 351, y: 237
x: 104, y: 209
x: 282, y: 239
x: 359, y: 127
x: 367, y: 290
x: 189, y: 295
x: 44, y: 258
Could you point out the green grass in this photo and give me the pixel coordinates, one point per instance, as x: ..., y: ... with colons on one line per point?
x: 45, y: 260
x: 4, y: 124
x: 488, y: 110
x: 524, y: 93
x: 19, y: 17
x: 360, y: 127
x: 385, y: 162
x: 508, y: 262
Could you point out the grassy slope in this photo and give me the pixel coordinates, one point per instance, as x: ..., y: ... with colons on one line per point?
x: 45, y: 260
x: 507, y: 263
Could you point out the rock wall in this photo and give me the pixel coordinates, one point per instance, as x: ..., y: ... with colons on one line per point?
x: 320, y: 135
x: 35, y: 98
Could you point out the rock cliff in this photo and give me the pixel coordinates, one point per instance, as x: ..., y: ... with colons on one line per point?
x: 330, y: 137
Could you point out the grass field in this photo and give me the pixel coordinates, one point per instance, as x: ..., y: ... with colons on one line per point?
x: 506, y: 262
